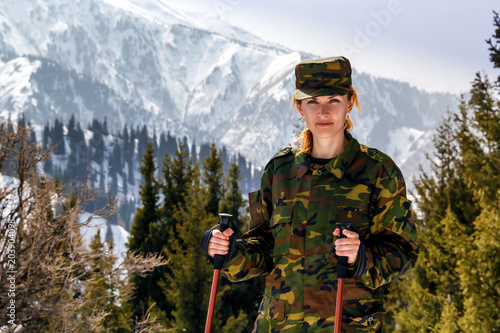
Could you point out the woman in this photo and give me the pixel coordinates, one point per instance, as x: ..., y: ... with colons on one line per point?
x: 304, y: 192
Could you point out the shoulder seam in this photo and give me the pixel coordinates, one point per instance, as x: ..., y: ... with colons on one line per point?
x: 389, y: 165
x: 282, y: 153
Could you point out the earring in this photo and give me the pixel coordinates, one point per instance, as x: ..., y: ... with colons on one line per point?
x: 303, y: 119
x: 347, y: 116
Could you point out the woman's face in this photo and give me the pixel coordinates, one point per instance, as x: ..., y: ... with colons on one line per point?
x: 325, y: 115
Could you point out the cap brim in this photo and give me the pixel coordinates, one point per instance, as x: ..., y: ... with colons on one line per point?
x: 315, y: 92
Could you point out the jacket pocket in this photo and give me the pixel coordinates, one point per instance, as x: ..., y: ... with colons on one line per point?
x: 281, y: 225
x: 273, y: 309
x: 359, y: 219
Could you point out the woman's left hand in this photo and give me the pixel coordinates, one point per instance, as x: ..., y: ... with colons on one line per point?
x: 347, y: 247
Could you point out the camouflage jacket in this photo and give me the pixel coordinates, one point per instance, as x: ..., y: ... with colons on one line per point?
x: 291, y: 240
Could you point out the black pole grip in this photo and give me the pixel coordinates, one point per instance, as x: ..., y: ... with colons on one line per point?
x: 342, y: 261
x: 223, y: 225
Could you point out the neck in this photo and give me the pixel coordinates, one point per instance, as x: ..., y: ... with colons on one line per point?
x: 328, y: 147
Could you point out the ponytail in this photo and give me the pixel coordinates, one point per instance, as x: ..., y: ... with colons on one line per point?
x: 349, y: 125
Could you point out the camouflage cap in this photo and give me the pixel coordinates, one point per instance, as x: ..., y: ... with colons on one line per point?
x: 322, y: 77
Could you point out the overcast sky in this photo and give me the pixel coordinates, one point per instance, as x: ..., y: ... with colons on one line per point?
x: 435, y: 45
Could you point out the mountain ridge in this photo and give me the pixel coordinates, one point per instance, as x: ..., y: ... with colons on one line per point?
x: 170, y: 73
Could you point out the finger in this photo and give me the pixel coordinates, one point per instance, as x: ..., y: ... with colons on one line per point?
x: 344, y: 253
x: 219, y: 235
x: 218, y: 247
x: 337, y: 232
x: 215, y: 248
x: 212, y: 252
x: 220, y: 242
x: 347, y: 242
x: 350, y: 234
x: 228, y: 232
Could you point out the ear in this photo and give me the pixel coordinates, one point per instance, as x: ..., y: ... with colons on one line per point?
x: 299, y: 107
x: 351, y: 104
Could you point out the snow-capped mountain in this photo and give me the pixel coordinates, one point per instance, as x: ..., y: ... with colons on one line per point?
x: 141, y: 62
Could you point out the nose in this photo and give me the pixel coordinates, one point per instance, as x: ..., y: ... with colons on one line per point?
x: 323, y: 110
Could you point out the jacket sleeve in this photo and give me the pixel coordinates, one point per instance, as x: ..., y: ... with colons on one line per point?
x: 253, y: 250
x: 392, y: 248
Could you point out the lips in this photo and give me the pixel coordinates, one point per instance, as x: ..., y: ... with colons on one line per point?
x: 324, y: 124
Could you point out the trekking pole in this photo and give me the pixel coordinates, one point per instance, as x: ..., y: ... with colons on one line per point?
x: 218, y: 262
x: 341, y: 275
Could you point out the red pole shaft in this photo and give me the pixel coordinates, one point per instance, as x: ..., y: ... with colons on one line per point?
x: 211, y: 304
x: 338, y: 305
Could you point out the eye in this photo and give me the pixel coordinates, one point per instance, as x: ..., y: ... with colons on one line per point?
x: 335, y: 100
x: 312, y: 101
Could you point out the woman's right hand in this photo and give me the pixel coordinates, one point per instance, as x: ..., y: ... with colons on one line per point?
x: 219, y: 242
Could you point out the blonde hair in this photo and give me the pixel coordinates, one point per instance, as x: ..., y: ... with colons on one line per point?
x: 305, y: 140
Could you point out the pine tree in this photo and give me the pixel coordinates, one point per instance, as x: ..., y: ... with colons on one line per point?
x: 143, y: 237
x: 143, y: 140
x: 97, y: 142
x: 61, y: 285
x: 189, y: 281
x: 58, y: 138
x: 46, y: 136
x: 233, y: 201
x: 115, y: 161
x: 71, y: 124
x: 177, y: 174
x: 102, y: 293
x: 240, y: 300
x: 479, y: 264
x: 456, y: 278
x: 212, y: 177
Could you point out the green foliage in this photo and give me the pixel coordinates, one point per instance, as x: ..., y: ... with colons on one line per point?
x: 243, y: 297
x: 145, y: 238
x: 177, y: 174
x: 147, y: 215
x: 212, y: 177
x: 102, y: 293
x: 233, y: 202
x: 455, y: 284
x: 190, y: 207
x: 190, y: 278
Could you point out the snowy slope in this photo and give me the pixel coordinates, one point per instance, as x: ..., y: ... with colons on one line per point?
x: 118, y: 234
x: 141, y: 62
x: 88, y: 232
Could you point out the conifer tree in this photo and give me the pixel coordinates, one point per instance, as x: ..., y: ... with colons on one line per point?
x: 479, y: 260
x: 212, y: 177
x: 61, y: 286
x: 143, y: 235
x: 189, y: 280
x: 177, y: 174
x: 233, y: 201
x: 240, y: 300
x: 102, y: 293
x: 456, y: 278
x: 143, y: 140
x: 58, y: 138
x: 97, y: 142
x: 46, y: 136
x: 115, y: 160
